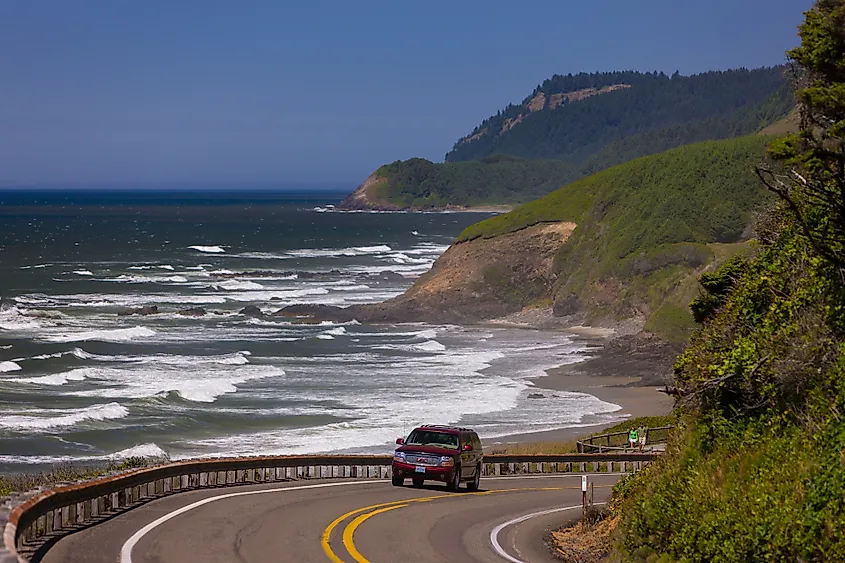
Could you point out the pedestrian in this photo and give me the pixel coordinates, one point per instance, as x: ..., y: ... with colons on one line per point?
x: 633, y: 437
x: 643, y: 435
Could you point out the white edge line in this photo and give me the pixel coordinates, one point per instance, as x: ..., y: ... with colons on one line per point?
x: 126, y: 550
x: 494, y: 534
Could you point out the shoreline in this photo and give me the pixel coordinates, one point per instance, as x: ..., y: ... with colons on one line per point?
x: 600, y: 376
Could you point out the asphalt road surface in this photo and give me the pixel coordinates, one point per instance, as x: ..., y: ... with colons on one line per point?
x: 338, y: 521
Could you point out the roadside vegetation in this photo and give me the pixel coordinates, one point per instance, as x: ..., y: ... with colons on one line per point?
x: 69, y: 472
x: 757, y: 472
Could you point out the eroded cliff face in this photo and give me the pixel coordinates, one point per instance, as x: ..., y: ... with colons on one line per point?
x: 480, y: 279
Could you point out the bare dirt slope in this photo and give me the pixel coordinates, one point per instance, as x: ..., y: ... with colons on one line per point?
x: 481, y: 279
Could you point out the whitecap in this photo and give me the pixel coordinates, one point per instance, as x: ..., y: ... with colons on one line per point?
x: 142, y: 450
x: 339, y: 331
x: 325, y: 337
x: 45, y: 419
x: 83, y: 272
x: 55, y: 379
x: 166, y: 267
x: 236, y: 285
x: 208, y: 249
x: 430, y: 346
x: 116, y: 335
x: 6, y: 367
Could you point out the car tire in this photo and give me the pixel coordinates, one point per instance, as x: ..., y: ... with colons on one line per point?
x: 455, y: 484
x: 417, y: 481
x: 476, y: 481
x: 397, y: 481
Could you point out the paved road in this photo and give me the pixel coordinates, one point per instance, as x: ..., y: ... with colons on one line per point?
x: 337, y: 521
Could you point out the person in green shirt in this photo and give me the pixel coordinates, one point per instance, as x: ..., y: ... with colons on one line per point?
x: 633, y: 437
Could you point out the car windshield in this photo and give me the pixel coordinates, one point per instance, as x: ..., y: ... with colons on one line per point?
x: 429, y: 438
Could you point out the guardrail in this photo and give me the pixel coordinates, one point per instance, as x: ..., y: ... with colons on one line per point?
x: 616, y: 441
x: 48, y: 514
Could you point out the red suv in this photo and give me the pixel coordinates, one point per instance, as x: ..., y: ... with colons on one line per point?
x: 439, y: 453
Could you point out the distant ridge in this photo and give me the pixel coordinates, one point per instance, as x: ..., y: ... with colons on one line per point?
x: 575, y: 125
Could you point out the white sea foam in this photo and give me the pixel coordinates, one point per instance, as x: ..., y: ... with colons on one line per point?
x: 142, y: 450
x: 115, y: 335
x: 208, y: 249
x: 325, y: 336
x: 430, y: 346
x: 202, y: 382
x: 47, y: 419
x: 55, y: 379
x: 165, y: 267
x: 339, y: 331
x: 14, y: 319
x: 6, y: 367
x: 238, y: 285
x: 83, y: 272
x: 349, y: 251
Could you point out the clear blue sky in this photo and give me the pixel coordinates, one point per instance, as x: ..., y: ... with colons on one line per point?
x: 154, y: 91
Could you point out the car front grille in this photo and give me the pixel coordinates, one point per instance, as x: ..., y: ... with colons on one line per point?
x: 422, y: 459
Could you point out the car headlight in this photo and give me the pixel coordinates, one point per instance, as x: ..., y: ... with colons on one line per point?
x: 398, y: 456
x: 446, y: 460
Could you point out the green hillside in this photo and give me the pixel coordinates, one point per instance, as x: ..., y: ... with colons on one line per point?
x: 421, y: 184
x: 757, y: 470
x: 574, y: 117
x: 549, y: 140
x: 644, y: 228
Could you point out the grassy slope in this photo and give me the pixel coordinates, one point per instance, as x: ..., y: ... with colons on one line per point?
x: 646, y: 227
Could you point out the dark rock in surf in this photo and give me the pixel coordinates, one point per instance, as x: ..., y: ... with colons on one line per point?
x: 251, y: 311
x: 146, y: 310
x: 193, y: 312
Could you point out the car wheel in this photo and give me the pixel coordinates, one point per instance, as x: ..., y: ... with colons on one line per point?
x: 398, y: 481
x: 473, y: 486
x: 455, y: 483
x: 418, y: 481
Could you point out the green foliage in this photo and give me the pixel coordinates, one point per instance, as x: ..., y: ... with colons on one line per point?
x: 716, y: 285
x: 758, y: 474
x: 421, y: 184
x: 644, y: 226
x: 657, y: 112
x: 550, y: 148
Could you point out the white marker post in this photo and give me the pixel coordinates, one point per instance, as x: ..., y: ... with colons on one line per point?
x: 584, y: 483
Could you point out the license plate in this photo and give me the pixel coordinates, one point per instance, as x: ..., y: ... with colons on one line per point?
x: 419, y: 469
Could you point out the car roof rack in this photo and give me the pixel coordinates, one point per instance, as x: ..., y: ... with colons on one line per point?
x: 446, y: 427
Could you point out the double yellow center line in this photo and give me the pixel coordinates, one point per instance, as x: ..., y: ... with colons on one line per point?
x: 367, y: 512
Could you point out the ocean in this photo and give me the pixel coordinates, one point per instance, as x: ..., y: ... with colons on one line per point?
x: 82, y: 380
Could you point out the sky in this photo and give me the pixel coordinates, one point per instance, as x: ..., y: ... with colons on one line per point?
x: 153, y: 92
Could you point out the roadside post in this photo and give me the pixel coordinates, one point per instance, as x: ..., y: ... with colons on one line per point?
x: 584, y: 484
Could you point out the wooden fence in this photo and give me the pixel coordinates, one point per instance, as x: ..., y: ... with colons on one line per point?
x: 618, y: 441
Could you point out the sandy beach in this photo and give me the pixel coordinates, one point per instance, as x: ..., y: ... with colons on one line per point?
x: 615, y: 374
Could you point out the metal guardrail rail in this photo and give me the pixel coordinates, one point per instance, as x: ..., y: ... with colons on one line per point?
x: 40, y: 515
x: 616, y: 441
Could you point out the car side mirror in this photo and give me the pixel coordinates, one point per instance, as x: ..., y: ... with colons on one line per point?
x: 400, y: 441
x: 467, y: 447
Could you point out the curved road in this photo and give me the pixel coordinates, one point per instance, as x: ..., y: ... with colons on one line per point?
x: 337, y: 521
